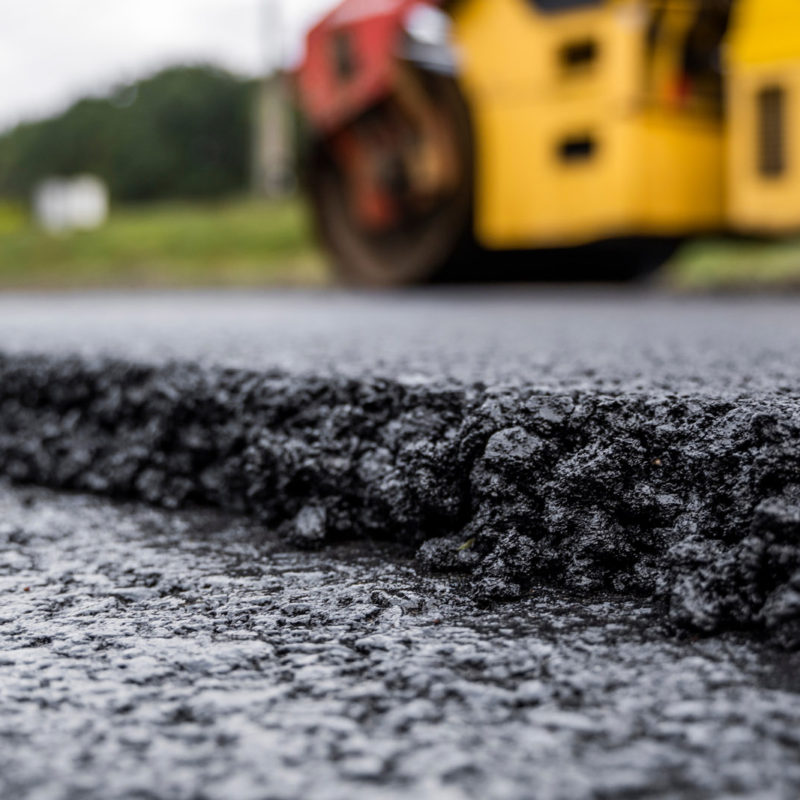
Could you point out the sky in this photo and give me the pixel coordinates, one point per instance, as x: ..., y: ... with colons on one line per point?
x: 53, y: 52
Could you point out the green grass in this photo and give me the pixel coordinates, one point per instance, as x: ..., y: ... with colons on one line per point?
x: 258, y: 243
x: 242, y: 243
x: 719, y: 264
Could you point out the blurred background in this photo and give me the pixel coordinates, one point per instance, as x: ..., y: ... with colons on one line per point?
x: 133, y: 138
x: 156, y: 144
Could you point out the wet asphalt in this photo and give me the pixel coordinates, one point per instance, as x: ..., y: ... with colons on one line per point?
x: 555, y: 546
x: 549, y: 339
x: 146, y: 654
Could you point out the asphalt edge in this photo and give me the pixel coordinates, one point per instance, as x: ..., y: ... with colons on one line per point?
x: 692, y: 501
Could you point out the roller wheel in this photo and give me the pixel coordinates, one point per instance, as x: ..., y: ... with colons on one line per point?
x: 426, y: 235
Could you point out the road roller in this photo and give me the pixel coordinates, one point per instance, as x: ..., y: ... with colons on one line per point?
x: 563, y: 138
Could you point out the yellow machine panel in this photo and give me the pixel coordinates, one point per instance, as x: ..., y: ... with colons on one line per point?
x: 763, y: 157
x: 580, y: 132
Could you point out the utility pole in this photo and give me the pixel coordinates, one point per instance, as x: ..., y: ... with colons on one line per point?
x: 273, y: 135
x: 273, y: 44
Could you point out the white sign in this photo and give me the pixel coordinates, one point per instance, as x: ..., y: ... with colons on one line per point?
x: 66, y: 204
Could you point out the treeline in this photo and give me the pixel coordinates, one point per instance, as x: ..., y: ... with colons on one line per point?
x: 183, y: 133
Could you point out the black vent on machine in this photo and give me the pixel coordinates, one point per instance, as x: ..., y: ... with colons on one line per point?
x: 772, y: 131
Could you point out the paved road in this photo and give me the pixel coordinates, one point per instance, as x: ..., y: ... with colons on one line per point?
x: 557, y: 546
x: 544, y: 338
x: 191, y: 655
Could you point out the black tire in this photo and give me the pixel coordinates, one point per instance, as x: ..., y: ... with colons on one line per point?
x: 421, y: 249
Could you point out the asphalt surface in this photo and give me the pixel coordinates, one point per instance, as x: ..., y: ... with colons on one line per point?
x: 499, y: 544
x: 547, y: 339
x: 192, y: 655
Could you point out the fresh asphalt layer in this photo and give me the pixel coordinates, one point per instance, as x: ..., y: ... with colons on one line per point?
x: 183, y: 655
x: 504, y: 543
x: 546, y: 339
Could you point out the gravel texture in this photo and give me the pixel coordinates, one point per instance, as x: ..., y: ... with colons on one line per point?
x: 604, y: 443
x: 196, y: 656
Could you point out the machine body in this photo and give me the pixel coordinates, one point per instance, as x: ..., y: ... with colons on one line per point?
x: 547, y: 127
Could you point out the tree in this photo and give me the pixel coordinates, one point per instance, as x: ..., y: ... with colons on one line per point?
x: 183, y: 133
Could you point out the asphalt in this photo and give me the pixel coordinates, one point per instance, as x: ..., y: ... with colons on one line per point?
x: 182, y: 655
x: 598, y: 340
x: 502, y: 543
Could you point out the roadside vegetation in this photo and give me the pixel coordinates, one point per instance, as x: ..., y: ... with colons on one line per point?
x: 736, y: 264
x: 184, y: 133
x: 230, y: 243
x: 249, y: 242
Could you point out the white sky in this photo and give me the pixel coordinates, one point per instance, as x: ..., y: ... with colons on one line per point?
x: 55, y: 51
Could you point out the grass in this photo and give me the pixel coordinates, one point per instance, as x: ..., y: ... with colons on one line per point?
x: 258, y: 243
x: 241, y: 243
x: 720, y: 264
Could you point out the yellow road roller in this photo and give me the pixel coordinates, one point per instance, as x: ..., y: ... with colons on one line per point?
x: 570, y: 138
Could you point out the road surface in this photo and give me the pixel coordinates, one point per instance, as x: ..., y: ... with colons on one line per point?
x: 507, y: 544
x: 190, y: 655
